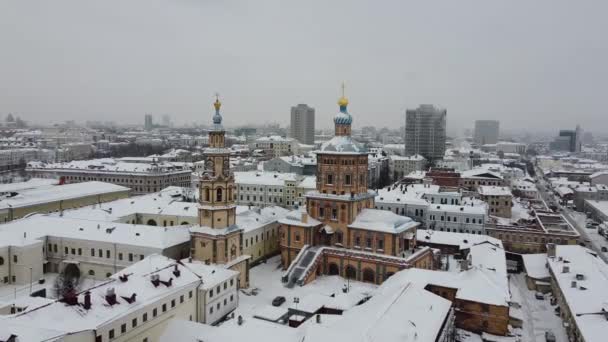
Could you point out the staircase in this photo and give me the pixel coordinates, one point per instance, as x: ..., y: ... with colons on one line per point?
x: 299, y: 266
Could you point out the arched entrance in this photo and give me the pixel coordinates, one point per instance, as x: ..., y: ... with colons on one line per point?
x: 151, y: 222
x: 369, y: 276
x: 350, y: 272
x: 71, y: 271
x: 333, y: 269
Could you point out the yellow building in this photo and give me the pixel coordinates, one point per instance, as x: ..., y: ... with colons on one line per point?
x: 218, y: 239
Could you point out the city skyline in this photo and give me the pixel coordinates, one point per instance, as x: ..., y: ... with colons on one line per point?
x: 393, y: 59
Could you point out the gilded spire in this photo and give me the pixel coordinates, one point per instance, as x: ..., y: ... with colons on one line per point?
x: 343, y: 101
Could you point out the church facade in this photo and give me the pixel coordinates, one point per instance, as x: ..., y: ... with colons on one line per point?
x: 340, y: 232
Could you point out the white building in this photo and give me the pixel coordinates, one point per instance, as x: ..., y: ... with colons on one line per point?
x: 133, y: 305
x: 276, y: 146
x: 262, y: 189
x: 400, y: 167
x: 96, y: 249
x: 141, y: 177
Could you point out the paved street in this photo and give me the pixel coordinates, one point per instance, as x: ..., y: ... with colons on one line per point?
x: 573, y: 217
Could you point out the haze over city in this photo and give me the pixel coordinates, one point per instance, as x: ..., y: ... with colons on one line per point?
x: 541, y: 64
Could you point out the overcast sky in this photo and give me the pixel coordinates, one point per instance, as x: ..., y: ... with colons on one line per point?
x: 526, y: 63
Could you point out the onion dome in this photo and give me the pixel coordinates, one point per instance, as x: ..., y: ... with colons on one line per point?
x: 343, y: 117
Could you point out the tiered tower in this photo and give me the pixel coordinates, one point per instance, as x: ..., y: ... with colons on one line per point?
x: 218, y: 239
x: 217, y: 190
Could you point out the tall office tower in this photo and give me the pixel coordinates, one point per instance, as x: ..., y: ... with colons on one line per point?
x: 303, y: 124
x: 568, y: 140
x: 486, y: 132
x: 148, y: 122
x: 425, y: 132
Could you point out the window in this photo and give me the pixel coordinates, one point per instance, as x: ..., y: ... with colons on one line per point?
x: 134, y: 322
x: 144, y: 318
x: 181, y: 298
x: 108, y: 254
x: 231, y: 283
x: 15, y: 258
x: 1, y: 261
x: 321, y: 212
x: 119, y: 256
x: 329, y: 179
x: 334, y: 213
x: 123, y: 328
x: 172, y: 303
x: 225, y: 285
x: 380, y: 244
x: 91, y: 272
x: 111, y: 334
x: 211, y: 310
x: 65, y: 250
x: 92, y: 252
x: 130, y: 256
x: 79, y: 251
x: 165, y: 307
x: 347, y: 180
x: 154, y: 312
x: 368, y: 241
x: 211, y: 293
x: 73, y: 251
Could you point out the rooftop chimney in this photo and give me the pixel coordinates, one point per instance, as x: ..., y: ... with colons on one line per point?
x: 87, y: 300
x: 155, y: 279
x: 304, y: 217
x: 566, y: 269
x: 176, y: 271
x: 573, y: 284
x: 123, y: 277
x: 111, y: 296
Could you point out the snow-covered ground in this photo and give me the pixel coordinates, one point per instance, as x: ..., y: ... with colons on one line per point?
x: 538, y: 315
x: 267, y: 279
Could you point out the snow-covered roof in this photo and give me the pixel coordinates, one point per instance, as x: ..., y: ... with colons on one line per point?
x: 415, y: 157
x: 111, y: 165
x: 383, y: 221
x: 38, y: 227
x: 295, y: 217
x: 536, y: 265
x: 479, y: 209
x: 54, y: 193
x: 587, y: 300
x: 264, y: 178
x: 33, y: 183
x: 491, y: 190
x: 252, y: 219
x: 64, y: 318
x: 342, y: 145
x: 462, y: 240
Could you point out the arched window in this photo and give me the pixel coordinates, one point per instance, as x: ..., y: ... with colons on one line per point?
x: 218, y: 196
x: 1, y: 261
x: 333, y: 269
x: 91, y: 272
x: 151, y: 222
x: 206, y: 194
x: 108, y: 275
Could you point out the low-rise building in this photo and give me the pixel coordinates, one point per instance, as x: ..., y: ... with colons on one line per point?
x: 140, y: 177
x: 473, y: 179
x: 579, y: 279
x: 262, y: 189
x: 49, y: 198
x: 133, y: 305
x: 583, y: 194
x: 533, y: 237
x: 276, y: 146
x: 400, y: 167
x: 498, y: 198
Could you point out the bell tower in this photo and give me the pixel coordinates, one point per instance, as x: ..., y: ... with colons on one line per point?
x: 217, y: 190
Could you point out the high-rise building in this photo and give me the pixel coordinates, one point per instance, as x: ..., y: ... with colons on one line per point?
x: 303, y: 124
x: 568, y: 140
x: 148, y: 124
x: 425, y: 132
x: 486, y: 132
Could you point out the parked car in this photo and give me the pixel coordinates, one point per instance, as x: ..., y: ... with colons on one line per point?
x: 549, y: 336
x: 278, y: 301
x: 539, y: 296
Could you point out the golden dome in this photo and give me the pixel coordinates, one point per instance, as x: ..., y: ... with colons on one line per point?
x: 217, y: 104
x: 343, y: 101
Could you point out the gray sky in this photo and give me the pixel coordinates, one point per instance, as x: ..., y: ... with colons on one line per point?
x: 527, y: 63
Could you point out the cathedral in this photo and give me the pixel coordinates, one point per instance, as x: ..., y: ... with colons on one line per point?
x: 339, y: 232
x: 217, y: 239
